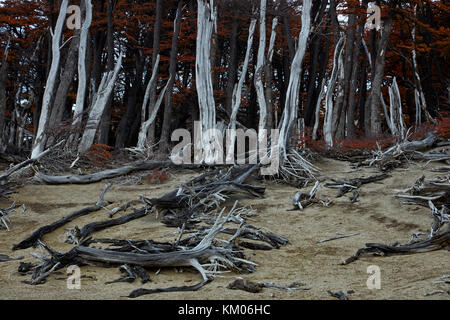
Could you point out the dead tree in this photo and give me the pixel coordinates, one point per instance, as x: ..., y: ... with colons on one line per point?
x: 98, y: 106
x: 39, y: 143
x: 81, y: 91
x: 292, y: 94
x: 237, y: 93
x: 206, y: 22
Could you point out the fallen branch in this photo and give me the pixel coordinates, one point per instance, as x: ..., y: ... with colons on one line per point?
x: 437, y: 242
x: 38, y: 234
x: 339, y: 236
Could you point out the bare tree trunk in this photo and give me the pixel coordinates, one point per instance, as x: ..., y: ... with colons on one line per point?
x: 233, y: 61
x: 3, y: 80
x: 259, y: 69
x: 292, y: 95
x: 269, y: 72
x: 103, y: 134
x: 327, y: 126
x: 101, y: 99
x: 82, y: 79
x: 206, y: 22
x: 237, y: 95
x: 156, y: 45
x: 165, y: 130
x: 375, y: 121
x: 65, y: 81
x: 353, y: 85
x: 420, y: 97
x: 39, y: 143
x: 153, y: 109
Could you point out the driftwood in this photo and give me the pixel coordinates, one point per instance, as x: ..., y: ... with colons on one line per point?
x: 206, y: 254
x: 76, y: 236
x: 256, y: 287
x: 112, y: 173
x: 302, y: 200
x: 393, y: 156
x: 38, y: 234
x: 348, y: 185
x: 23, y: 164
x: 4, y: 216
x: 423, y: 191
x: 5, y: 258
x: 338, y: 236
x: 338, y: 294
x: 203, y: 194
x: 377, y: 249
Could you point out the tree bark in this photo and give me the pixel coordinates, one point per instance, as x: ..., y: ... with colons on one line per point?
x: 165, y: 130
x: 39, y: 143
x: 375, y: 121
x: 98, y: 107
x: 3, y: 80
x: 82, y: 74
x: 292, y: 95
x: 155, y: 53
x: 206, y: 22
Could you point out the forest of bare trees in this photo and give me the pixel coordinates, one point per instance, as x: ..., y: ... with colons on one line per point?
x: 342, y: 103
x: 128, y: 73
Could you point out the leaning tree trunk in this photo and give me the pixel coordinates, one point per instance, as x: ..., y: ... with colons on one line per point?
x: 206, y: 22
x: 327, y: 126
x: 81, y: 91
x: 153, y: 109
x: 39, y: 143
x: 378, y: 69
x: 292, y: 95
x: 237, y: 95
x: 98, y: 106
x: 268, y: 73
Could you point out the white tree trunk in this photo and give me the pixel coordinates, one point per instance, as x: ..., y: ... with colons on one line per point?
x: 259, y: 86
x: 327, y: 126
x: 319, y: 102
x: 398, y: 126
x: 151, y: 83
x: 100, y: 100
x: 292, y: 94
x: 142, y: 140
x: 81, y: 92
x: 206, y: 22
x: 39, y: 143
x: 237, y: 96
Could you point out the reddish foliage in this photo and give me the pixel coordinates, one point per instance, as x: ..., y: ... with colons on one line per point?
x: 99, y: 154
x: 156, y: 177
x: 443, y: 128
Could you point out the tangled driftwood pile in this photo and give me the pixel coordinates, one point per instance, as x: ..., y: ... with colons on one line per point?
x: 196, y: 208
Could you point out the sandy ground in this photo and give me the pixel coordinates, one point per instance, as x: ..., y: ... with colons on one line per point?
x: 377, y: 217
